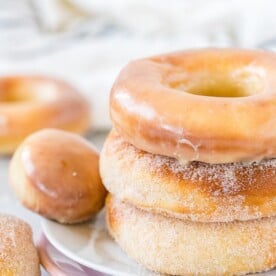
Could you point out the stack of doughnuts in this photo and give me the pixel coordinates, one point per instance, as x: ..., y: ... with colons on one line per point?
x: 190, y: 165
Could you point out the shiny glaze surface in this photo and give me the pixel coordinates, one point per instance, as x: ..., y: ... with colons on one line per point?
x: 160, y: 105
x: 55, y: 173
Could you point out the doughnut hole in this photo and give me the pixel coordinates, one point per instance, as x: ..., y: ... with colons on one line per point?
x: 215, y: 73
x: 20, y: 90
x: 55, y: 174
x: 236, y: 83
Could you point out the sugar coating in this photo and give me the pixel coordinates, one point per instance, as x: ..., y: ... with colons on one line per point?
x: 214, y: 192
x: 18, y: 255
x: 178, y: 247
x: 225, y: 175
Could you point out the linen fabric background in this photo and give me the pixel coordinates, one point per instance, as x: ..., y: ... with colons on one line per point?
x: 87, y: 42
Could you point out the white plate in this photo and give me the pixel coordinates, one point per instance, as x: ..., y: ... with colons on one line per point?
x: 89, y: 244
x: 55, y: 263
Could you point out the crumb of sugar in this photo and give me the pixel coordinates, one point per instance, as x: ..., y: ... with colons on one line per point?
x: 225, y: 175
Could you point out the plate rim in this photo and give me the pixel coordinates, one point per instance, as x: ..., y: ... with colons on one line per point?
x: 97, y: 267
x: 73, y: 256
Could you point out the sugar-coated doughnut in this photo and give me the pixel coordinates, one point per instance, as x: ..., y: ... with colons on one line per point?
x: 178, y: 247
x: 209, y: 105
x: 196, y: 191
x: 30, y: 103
x: 55, y: 173
x: 18, y: 255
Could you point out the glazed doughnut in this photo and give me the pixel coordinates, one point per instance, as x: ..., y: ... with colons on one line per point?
x: 30, y: 103
x: 196, y: 191
x: 55, y: 173
x: 211, y: 105
x: 18, y: 255
x: 177, y: 247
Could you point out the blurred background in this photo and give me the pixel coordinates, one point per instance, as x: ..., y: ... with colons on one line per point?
x: 87, y: 42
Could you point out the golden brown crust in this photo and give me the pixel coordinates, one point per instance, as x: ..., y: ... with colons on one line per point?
x: 178, y: 247
x: 56, y: 174
x: 151, y: 108
x: 18, y: 255
x: 31, y: 103
x: 195, y: 191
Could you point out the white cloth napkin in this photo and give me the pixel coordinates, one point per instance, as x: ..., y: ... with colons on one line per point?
x: 87, y: 42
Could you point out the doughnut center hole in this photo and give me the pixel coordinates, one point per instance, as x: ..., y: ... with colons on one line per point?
x: 25, y: 91
x: 219, y: 88
x: 15, y: 97
x: 231, y: 84
x: 10, y: 94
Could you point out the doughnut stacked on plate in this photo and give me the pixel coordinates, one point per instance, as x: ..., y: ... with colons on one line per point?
x: 190, y: 164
